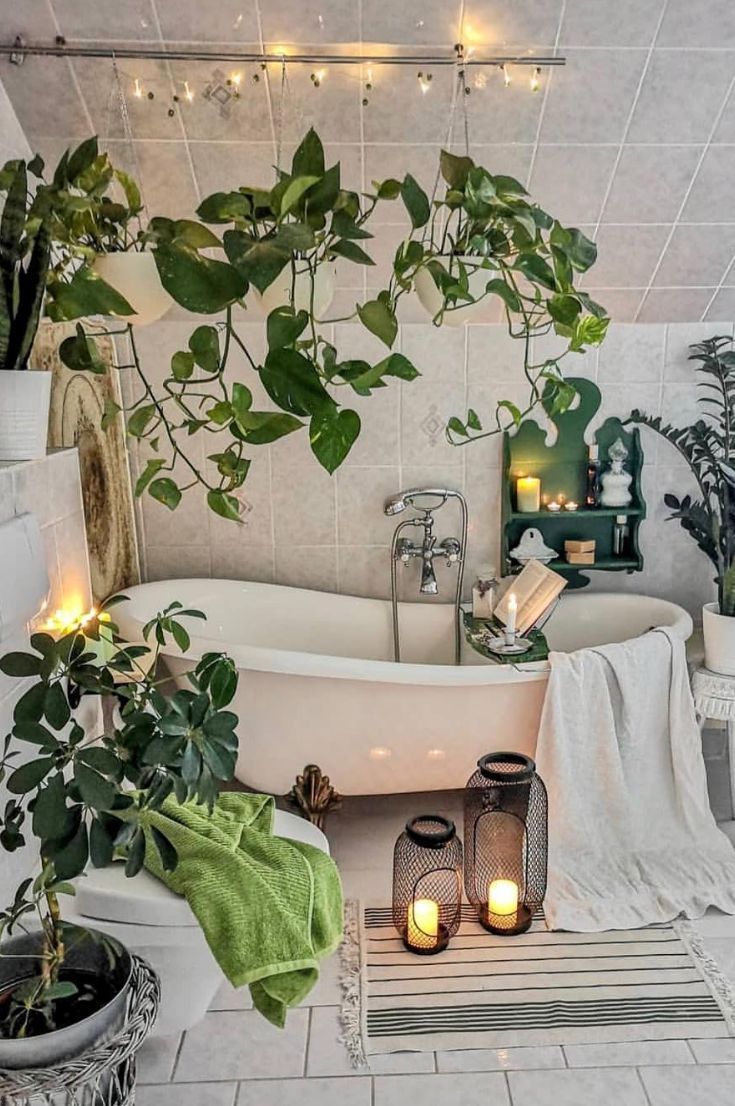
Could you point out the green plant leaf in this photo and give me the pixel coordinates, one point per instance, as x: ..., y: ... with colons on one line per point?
x: 71, y: 859
x: 101, y: 844
x: 29, y: 775
x: 80, y: 353
x: 224, y: 505
x: 262, y: 427
x: 343, y: 247
x: 82, y: 158
x: 136, y: 854
x: 563, y: 309
x: 455, y: 169
x: 165, y: 491
x: 308, y: 160
x: 139, y: 420
x: 131, y: 190
x: 389, y: 189
x: 284, y: 326
x: 51, y: 818
x: 379, y: 319
x: 198, y: 237
x: 35, y: 733
x: 200, y: 284
x: 96, y: 791
x: 415, y: 201
x: 536, y: 269
x: 87, y: 294
x: 509, y: 297
x: 109, y: 413
x: 293, y: 383
x: 182, y: 365
x: 295, y: 237
x: 166, y: 851
x: 56, y: 706
x: 150, y: 470
x: 20, y: 664
x: 224, y: 207
x: 332, y: 434
x: 296, y: 189
x: 204, y: 345
x: 258, y: 262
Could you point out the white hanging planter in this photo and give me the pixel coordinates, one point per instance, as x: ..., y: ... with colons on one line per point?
x: 278, y: 293
x: 486, y: 311
x: 719, y: 640
x: 135, y: 276
x: 25, y: 397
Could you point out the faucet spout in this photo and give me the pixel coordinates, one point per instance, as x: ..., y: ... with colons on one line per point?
x: 429, y: 585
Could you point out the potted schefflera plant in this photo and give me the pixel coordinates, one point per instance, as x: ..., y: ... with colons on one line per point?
x: 708, y: 449
x: 85, y: 797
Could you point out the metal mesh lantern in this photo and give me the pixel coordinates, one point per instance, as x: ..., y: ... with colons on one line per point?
x: 427, y: 884
x: 505, y: 833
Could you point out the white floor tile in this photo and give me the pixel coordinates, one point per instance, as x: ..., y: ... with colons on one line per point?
x: 628, y: 1054
x: 329, y: 1056
x: 240, y: 1044
x: 328, y: 990
x: 500, y: 1059
x: 232, y: 998
x: 306, y: 1092
x: 582, y: 1087
x: 689, y: 1086
x: 443, y: 1090
x: 717, y: 1051
x: 156, y: 1058
x: 189, y: 1094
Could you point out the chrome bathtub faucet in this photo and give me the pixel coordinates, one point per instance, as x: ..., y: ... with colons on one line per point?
x: 405, y: 550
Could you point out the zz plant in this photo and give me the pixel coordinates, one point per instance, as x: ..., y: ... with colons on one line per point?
x: 708, y: 448
x: 85, y: 796
x: 487, y: 238
x: 306, y: 220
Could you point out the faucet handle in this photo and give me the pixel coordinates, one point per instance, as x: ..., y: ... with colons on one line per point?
x: 452, y: 549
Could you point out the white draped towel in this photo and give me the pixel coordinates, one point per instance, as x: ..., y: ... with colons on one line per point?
x: 632, y: 839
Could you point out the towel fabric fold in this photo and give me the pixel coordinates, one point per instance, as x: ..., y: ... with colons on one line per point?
x: 632, y: 839
x: 270, y: 907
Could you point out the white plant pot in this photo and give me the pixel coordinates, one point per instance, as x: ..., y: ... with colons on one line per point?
x: 25, y: 397
x: 719, y: 640
x: 135, y: 276
x: 278, y: 293
x: 486, y: 311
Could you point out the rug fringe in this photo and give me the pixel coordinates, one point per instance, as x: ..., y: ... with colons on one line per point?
x: 718, y: 983
x: 351, y: 1014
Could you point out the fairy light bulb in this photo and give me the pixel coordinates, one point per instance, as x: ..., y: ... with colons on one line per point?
x: 424, y: 82
x: 137, y: 89
x: 536, y: 80
x: 506, y: 76
x: 236, y: 79
x: 317, y: 77
x: 188, y: 92
x: 480, y: 80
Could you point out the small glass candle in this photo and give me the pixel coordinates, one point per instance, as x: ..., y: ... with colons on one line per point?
x: 528, y: 494
x: 571, y: 505
x: 554, y: 506
x: 423, y: 923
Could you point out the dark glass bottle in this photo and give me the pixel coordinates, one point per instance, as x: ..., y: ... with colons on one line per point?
x: 593, y: 485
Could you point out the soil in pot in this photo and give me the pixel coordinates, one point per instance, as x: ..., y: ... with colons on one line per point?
x: 93, y: 992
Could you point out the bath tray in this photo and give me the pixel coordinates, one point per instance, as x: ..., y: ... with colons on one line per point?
x: 475, y: 628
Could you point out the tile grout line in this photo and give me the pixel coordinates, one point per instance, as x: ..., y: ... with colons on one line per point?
x: 267, y: 82
x: 542, y: 112
x: 682, y: 206
x: 177, y: 1057
x: 179, y: 115
x: 643, y: 1085
x: 631, y: 113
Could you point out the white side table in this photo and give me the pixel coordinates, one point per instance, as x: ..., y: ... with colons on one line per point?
x: 714, y: 697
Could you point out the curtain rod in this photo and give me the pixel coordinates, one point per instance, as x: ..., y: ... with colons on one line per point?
x: 19, y: 49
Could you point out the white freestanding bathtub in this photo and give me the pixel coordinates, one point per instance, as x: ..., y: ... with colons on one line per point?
x: 317, y: 685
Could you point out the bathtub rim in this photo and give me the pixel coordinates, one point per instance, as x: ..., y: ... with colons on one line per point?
x: 297, y: 663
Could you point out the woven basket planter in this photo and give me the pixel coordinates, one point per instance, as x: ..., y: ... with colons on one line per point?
x: 102, y: 1076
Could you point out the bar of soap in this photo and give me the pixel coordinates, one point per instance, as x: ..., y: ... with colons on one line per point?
x: 579, y: 546
x: 581, y: 558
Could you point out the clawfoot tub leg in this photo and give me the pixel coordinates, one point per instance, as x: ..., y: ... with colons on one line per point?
x: 314, y: 795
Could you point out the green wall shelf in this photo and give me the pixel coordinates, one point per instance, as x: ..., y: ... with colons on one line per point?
x: 562, y: 469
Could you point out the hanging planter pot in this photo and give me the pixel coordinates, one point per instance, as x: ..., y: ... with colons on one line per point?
x: 719, y: 640
x: 278, y: 293
x: 134, y: 275
x: 102, y: 989
x: 25, y: 397
x: 431, y: 299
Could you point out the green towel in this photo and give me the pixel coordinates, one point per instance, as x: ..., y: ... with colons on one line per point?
x: 270, y: 907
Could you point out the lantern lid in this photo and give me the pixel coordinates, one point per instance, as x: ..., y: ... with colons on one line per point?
x: 506, y: 767
x: 430, y: 830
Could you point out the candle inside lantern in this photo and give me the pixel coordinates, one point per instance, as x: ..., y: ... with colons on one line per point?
x: 554, y: 506
x: 528, y: 494
x: 571, y: 505
x: 423, y: 923
x: 502, y: 903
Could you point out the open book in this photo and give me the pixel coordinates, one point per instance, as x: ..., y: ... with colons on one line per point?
x: 535, y: 589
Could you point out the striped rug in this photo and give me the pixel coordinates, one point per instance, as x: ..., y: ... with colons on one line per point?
x: 538, y: 988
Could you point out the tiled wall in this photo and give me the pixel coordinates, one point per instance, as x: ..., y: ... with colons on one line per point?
x: 305, y: 528
x: 50, y: 489
x: 12, y: 140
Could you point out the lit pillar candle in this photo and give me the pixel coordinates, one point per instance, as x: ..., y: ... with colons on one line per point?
x: 423, y: 923
x: 510, y: 625
x: 502, y: 903
x: 528, y: 494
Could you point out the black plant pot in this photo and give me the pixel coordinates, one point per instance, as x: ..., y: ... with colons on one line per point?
x: 86, y: 958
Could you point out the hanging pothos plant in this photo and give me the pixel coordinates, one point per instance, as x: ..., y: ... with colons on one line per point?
x: 302, y: 223
x: 486, y: 239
